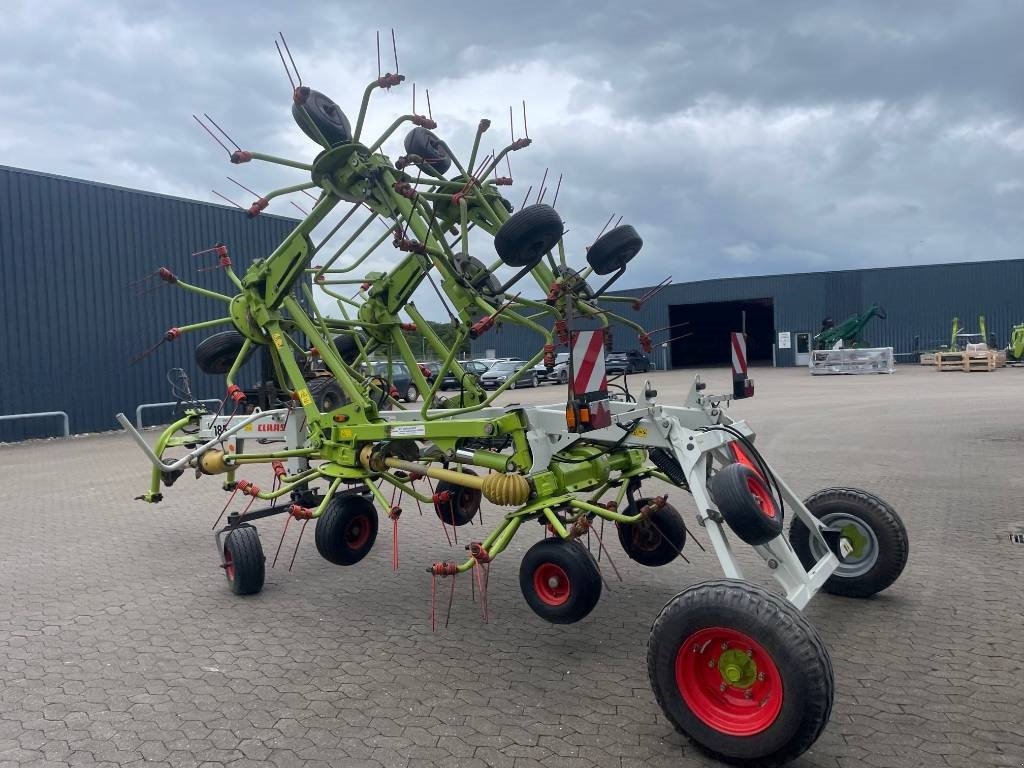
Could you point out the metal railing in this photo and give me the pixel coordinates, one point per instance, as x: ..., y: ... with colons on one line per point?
x: 40, y: 415
x: 149, y: 406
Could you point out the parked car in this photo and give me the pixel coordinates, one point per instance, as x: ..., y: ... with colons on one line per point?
x: 500, y: 372
x: 627, y: 362
x: 401, y: 381
x: 559, y: 374
x: 473, y: 367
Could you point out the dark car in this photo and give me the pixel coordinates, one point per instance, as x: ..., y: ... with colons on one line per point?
x: 627, y: 362
x: 472, y: 367
x: 501, y: 371
x: 399, y: 378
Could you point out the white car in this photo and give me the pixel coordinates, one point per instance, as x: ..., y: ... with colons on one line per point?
x: 559, y: 374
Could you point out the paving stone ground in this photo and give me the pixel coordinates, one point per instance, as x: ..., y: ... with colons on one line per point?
x: 120, y: 644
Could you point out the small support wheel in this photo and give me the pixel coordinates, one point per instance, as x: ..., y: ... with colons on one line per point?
x: 411, y: 394
x: 423, y: 142
x: 347, y: 529
x: 326, y: 394
x: 216, y: 354
x: 614, y: 250
x: 559, y: 580
x: 740, y: 672
x: 747, y: 504
x: 244, y: 563
x: 875, y: 539
x: 656, y: 541
x: 528, y: 234
x: 463, y: 503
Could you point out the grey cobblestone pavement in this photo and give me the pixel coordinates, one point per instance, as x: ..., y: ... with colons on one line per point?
x: 120, y: 644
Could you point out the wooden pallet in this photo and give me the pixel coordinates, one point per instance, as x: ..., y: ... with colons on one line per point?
x: 949, y: 361
x: 986, y: 362
x: 927, y: 358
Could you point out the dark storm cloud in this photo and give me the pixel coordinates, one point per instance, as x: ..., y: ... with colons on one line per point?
x: 739, y: 138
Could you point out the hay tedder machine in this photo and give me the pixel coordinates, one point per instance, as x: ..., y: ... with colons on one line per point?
x: 734, y: 666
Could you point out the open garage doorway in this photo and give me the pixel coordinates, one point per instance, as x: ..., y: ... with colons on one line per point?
x: 710, y: 324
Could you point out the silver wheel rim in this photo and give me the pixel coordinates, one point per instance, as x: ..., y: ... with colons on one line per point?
x: 855, y: 565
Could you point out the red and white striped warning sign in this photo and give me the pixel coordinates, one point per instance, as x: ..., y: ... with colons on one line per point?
x: 588, y: 362
x: 739, y: 355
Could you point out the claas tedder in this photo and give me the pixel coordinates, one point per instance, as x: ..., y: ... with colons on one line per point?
x: 734, y: 666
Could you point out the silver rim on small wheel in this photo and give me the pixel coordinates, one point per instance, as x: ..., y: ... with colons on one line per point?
x: 859, y: 536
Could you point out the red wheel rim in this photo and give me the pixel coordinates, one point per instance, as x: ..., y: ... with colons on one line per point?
x: 551, y: 583
x: 729, y: 681
x: 357, y: 532
x: 229, y: 565
x: 742, y: 457
x: 762, y: 496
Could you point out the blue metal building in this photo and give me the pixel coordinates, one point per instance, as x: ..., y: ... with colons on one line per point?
x: 920, y: 303
x: 72, y: 321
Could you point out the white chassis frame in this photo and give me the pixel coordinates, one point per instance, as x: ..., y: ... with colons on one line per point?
x: 681, y: 430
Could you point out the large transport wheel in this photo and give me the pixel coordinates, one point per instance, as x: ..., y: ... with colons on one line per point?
x: 216, y: 354
x: 655, y: 541
x: 747, y: 504
x: 326, y: 394
x: 559, y: 580
x: 347, y: 529
x: 876, y: 540
x: 244, y: 563
x: 463, y: 503
x: 528, y: 234
x: 740, y: 672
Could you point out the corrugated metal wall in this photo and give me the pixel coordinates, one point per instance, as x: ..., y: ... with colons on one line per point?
x: 71, y: 321
x: 920, y: 302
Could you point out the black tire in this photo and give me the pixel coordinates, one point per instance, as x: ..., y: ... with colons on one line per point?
x: 347, y: 529
x: 463, y: 505
x: 747, y: 504
x: 762, y: 702
x: 656, y: 541
x: 347, y: 347
x: 411, y: 394
x: 881, y: 545
x: 614, y: 249
x: 244, y: 563
x: 559, y: 580
x: 423, y: 142
x: 320, y: 118
x: 216, y: 354
x: 528, y: 234
x: 326, y: 393
x: 563, y: 376
x: 535, y: 382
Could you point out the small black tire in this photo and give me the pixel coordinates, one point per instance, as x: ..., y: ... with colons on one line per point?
x: 217, y: 353
x: 326, y: 393
x: 740, y: 672
x: 879, y: 539
x: 321, y: 119
x: 347, y: 529
x: 463, y: 503
x: 747, y: 504
x: 656, y: 541
x: 614, y: 249
x: 244, y: 563
x: 559, y: 580
x: 423, y: 142
x: 528, y: 234
x: 412, y: 394
x: 348, y: 348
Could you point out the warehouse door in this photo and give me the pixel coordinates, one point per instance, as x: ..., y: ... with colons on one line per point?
x: 709, y: 325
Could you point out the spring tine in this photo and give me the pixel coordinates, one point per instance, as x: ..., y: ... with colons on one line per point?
x: 298, y: 541
x: 558, y: 186
x: 212, y: 135
x: 214, y: 122
x: 603, y: 228
x: 527, y: 197
x: 301, y: 209
x: 240, y: 184
x: 430, y: 113
x: 286, y: 49
x: 542, y: 180
x: 228, y: 199
x: 286, y: 70
x: 526, y: 130
x: 394, y: 47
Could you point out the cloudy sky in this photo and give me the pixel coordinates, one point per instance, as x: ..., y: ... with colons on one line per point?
x: 738, y: 137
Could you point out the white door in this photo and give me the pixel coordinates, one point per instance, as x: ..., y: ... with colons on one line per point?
x: 803, y: 349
